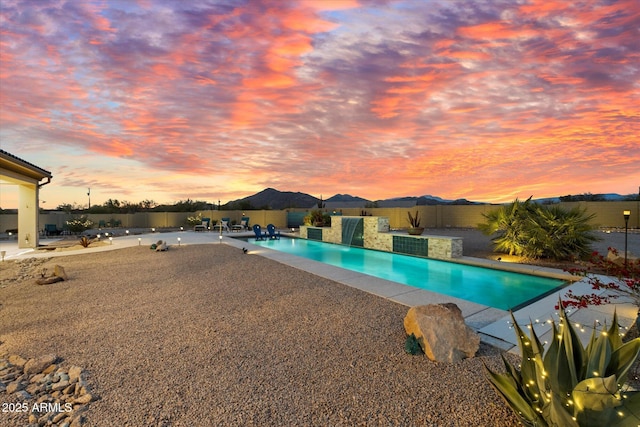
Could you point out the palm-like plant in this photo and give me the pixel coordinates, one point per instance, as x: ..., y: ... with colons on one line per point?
x: 538, y: 231
x: 510, y: 223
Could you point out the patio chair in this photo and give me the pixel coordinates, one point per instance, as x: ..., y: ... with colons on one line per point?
x: 273, y: 233
x: 244, y: 225
x: 51, y: 230
x: 201, y: 227
x: 223, y: 225
x: 260, y: 235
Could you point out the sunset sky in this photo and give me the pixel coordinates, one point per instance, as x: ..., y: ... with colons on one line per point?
x: 216, y: 100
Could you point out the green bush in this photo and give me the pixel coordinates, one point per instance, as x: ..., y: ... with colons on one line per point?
x: 540, y: 231
x: 570, y: 385
x: 80, y: 224
x: 317, y: 218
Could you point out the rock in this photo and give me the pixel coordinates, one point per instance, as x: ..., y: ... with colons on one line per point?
x: 16, y: 360
x: 74, y: 373
x: 58, y: 271
x: 22, y: 394
x: 85, y: 398
x: 162, y: 246
x: 14, y: 386
x: 49, y: 280
x: 60, y: 385
x: 37, y: 365
x: 618, y: 257
x: 441, y: 331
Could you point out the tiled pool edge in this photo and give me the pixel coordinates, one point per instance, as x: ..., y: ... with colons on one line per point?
x: 493, y: 325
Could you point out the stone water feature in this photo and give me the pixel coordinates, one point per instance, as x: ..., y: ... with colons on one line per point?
x: 353, y: 231
x: 372, y: 232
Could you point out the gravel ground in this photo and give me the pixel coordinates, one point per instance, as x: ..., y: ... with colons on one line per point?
x: 203, y: 335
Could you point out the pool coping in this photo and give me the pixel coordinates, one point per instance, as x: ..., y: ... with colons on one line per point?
x: 493, y: 325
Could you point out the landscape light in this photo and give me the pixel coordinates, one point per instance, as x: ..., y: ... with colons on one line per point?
x: 139, y: 241
x: 111, y: 240
x: 98, y: 236
x: 626, y: 215
x: 153, y: 230
x: 127, y: 232
x: 179, y: 241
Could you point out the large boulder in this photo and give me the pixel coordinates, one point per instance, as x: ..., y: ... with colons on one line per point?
x: 441, y: 332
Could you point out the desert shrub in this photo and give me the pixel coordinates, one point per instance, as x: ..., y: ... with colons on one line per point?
x: 317, y: 218
x: 536, y: 231
x: 78, y: 225
x: 85, y: 241
x: 194, y: 220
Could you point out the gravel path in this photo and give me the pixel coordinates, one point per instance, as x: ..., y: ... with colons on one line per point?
x: 203, y: 335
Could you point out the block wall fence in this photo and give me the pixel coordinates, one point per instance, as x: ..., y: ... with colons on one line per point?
x: 607, y: 214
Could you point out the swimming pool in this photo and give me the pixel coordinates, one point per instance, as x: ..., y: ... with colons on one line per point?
x: 495, y: 288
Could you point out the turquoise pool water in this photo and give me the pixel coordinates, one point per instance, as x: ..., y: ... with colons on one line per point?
x: 495, y: 288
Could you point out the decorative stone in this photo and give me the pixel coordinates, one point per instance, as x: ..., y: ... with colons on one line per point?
x: 22, y: 394
x: 58, y: 271
x: 441, y: 332
x: 16, y: 360
x: 37, y: 365
x: 60, y: 385
x: 161, y: 246
x: 85, y: 398
x: 14, y: 386
x: 74, y: 373
x: 49, y: 280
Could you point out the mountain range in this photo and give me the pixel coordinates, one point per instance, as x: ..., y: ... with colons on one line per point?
x: 270, y: 198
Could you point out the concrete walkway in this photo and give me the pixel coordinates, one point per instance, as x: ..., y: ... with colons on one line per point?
x: 492, y: 324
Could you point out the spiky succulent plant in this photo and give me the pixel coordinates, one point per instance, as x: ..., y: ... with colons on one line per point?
x: 571, y: 385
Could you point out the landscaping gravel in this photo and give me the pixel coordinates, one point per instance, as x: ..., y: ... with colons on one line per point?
x: 204, y: 335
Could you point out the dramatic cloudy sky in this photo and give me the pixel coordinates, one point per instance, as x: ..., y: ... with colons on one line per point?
x: 216, y: 100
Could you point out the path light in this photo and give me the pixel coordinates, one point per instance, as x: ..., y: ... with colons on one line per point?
x: 3, y: 253
x: 139, y: 241
x: 626, y: 215
x: 127, y: 232
x: 153, y: 230
x: 179, y: 241
x: 99, y: 236
x: 111, y: 240
x: 181, y: 228
x: 220, y: 238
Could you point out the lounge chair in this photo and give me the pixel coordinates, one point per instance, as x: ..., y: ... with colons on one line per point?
x: 244, y: 225
x: 260, y: 235
x: 273, y: 233
x: 201, y: 227
x: 223, y: 225
x: 50, y: 230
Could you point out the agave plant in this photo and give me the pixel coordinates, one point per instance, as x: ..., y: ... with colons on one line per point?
x: 414, y: 220
x: 571, y: 385
x: 85, y: 241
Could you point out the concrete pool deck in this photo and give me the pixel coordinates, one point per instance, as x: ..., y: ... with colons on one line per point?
x: 493, y: 325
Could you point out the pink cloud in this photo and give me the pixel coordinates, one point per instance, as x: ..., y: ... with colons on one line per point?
x: 457, y: 99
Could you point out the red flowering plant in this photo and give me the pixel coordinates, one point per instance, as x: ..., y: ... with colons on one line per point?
x: 611, y: 274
